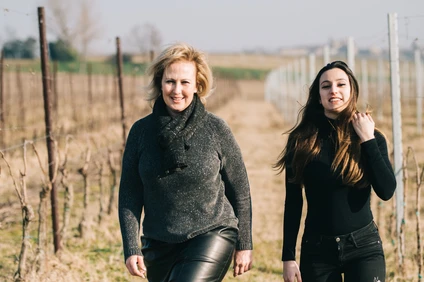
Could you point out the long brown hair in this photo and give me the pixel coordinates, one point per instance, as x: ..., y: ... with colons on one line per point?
x: 303, y: 144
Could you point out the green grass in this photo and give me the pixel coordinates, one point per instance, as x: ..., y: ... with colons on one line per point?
x: 128, y: 69
x: 241, y: 73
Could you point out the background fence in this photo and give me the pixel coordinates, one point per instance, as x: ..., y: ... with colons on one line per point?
x: 88, y: 133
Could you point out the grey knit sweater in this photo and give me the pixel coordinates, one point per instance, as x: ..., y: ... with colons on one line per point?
x: 212, y: 191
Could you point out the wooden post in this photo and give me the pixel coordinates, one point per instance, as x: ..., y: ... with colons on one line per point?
x: 2, y: 100
x: 90, y: 96
x: 121, y: 88
x: 49, y: 131
x: 151, y: 55
x: 419, y: 86
x: 21, y: 100
x: 55, y: 90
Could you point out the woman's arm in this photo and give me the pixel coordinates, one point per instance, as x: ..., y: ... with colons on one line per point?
x: 237, y: 190
x: 378, y: 167
x: 130, y: 203
x: 292, y: 216
x: 237, y: 187
x: 374, y: 150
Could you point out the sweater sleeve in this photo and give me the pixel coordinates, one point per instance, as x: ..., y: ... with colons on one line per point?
x: 378, y: 166
x: 130, y: 203
x: 237, y: 188
x: 292, y: 215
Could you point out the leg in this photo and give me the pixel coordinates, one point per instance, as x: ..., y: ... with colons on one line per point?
x: 318, y: 261
x: 159, y: 258
x: 371, y: 269
x: 320, y: 272
x: 206, y: 257
x: 365, y: 256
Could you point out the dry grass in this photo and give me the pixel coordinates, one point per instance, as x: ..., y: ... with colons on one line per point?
x: 257, y: 126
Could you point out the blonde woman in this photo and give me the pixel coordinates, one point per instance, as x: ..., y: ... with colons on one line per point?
x: 183, y: 168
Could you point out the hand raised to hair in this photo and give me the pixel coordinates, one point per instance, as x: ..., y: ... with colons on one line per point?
x: 135, y: 265
x: 364, y: 126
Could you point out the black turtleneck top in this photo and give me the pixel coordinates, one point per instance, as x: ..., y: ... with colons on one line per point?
x: 332, y: 207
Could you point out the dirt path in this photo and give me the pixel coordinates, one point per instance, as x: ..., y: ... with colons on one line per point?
x: 258, y: 128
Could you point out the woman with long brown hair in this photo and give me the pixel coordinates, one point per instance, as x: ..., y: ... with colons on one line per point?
x: 338, y: 156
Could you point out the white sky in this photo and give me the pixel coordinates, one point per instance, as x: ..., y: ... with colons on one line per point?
x: 233, y: 25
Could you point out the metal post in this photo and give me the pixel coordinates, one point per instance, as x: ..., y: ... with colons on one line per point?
x: 396, y: 120
x: 312, y: 68
x: 326, y: 54
x: 351, y: 53
x: 364, y: 83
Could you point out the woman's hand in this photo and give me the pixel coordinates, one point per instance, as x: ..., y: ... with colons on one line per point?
x: 242, y: 262
x: 135, y: 265
x: 364, y: 126
x: 291, y: 272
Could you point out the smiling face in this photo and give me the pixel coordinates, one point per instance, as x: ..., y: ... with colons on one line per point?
x: 178, y: 86
x: 334, y: 91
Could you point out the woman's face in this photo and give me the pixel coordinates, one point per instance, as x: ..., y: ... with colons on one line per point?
x: 179, y: 86
x: 334, y: 92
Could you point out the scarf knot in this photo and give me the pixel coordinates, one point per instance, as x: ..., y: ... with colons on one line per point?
x: 174, y: 133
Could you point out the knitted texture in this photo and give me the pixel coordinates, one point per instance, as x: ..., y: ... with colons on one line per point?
x: 174, y: 132
x: 211, y: 191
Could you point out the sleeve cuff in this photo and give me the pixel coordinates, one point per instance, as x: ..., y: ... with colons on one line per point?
x: 132, y: 252
x: 244, y: 246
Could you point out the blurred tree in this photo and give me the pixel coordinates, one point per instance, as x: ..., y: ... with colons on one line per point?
x: 77, y: 31
x: 20, y: 49
x: 61, y: 12
x: 88, y: 27
x: 62, y: 51
x: 146, y: 38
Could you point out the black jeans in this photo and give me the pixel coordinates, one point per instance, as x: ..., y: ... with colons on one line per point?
x: 205, y: 257
x: 358, y: 255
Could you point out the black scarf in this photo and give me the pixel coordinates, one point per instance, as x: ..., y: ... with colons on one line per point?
x: 175, y: 132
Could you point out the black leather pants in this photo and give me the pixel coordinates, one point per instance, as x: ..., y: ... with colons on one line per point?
x: 205, y: 257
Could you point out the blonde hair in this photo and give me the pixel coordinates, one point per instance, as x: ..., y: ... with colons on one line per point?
x: 175, y: 53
